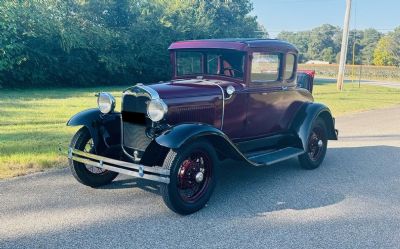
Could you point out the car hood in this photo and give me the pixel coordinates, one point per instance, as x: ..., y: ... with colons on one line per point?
x: 189, y: 88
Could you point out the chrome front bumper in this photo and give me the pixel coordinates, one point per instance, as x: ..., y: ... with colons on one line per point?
x: 155, y: 173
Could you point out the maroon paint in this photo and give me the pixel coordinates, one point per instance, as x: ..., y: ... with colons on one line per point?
x: 251, y: 111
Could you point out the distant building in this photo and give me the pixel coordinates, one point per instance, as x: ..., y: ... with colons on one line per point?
x: 317, y: 62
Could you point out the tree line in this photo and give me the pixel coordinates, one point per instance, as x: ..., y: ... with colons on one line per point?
x: 90, y: 42
x: 368, y: 47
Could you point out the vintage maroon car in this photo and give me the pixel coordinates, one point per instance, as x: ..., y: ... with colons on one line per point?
x: 228, y: 99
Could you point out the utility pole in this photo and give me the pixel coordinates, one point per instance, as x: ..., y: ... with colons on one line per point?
x: 343, y: 50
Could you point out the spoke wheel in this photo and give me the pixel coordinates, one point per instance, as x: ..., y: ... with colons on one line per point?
x: 89, y: 148
x: 316, y: 146
x: 192, y: 177
x: 87, y: 174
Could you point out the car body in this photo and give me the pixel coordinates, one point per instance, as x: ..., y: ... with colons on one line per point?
x: 228, y: 99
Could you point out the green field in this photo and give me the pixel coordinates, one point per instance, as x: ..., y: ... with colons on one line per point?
x: 32, y: 122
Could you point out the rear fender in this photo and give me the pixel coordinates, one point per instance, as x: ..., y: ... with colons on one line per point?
x: 105, y: 129
x: 302, y: 124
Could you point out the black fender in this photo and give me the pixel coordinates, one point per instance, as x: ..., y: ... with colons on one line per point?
x: 105, y: 129
x: 305, y: 117
x: 177, y: 136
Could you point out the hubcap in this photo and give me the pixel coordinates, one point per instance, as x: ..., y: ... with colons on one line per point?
x: 199, y: 177
x: 194, y: 176
x: 316, y: 144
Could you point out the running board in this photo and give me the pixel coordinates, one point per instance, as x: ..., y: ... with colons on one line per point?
x: 268, y: 158
x: 155, y: 173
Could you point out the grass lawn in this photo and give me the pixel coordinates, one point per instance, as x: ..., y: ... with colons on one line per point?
x: 32, y: 122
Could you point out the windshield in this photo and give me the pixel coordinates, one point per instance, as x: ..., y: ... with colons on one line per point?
x: 219, y: 62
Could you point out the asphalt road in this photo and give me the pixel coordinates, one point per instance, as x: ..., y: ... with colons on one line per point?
x: 351, y: 201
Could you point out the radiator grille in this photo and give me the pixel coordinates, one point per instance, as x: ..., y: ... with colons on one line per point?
x: 134, y: 122
x: 135, y: 136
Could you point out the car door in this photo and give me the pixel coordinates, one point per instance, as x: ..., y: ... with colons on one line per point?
x: 268, y: 95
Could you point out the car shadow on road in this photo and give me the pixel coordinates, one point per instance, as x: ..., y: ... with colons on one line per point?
x: 145, y: 185
x: 245, y: 190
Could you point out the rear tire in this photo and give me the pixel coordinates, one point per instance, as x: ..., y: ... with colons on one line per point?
x: 192, y: 177
x: 316, y: 146
x: 95, y: 178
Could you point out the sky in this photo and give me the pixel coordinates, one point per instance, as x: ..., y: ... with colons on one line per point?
x: 299, y: 15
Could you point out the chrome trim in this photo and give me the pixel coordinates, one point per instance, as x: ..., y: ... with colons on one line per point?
x: 163, y: 105
x: 138, y: 90
x: 158, y: 174
x: 230, y: 90
x: 111, y: 97
x: 145, y: 91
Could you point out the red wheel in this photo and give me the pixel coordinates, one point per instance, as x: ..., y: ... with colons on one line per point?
x: 192, y: 177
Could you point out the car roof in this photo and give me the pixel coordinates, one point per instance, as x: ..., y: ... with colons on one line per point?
x: 240, y: 44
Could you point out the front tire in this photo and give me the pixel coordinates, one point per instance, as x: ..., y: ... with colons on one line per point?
x: 316, y: 146
x: 192, y: 177
x: 85, y: 174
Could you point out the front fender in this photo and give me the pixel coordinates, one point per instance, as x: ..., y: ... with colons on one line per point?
x: 302, y: 124
x: 86, y: 118
x: 105, y: 129
x: 177, y: 136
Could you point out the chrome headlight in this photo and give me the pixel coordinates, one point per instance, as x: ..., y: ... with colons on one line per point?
x: 156, y: 110
x: 106, y: 102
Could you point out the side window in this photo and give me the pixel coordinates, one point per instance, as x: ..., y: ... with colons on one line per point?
x: 289, y: 68
x: 264, y: 68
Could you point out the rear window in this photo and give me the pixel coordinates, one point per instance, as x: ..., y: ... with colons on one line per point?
x: 265, y: 68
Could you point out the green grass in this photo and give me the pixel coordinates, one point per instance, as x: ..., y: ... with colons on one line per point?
x: 32, y: 122
x: 354, y: 98
x: 32, y: 126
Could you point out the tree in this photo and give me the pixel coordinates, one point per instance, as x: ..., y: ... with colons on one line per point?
x: 395, y: 49
x: 355, y: 46
x: 368, y: 43
x: 387, y: 51
x: 383, y: 53
x: 322, y: 37
x: 88, y: 42
x: 300, y: 40
x: 328, y: 54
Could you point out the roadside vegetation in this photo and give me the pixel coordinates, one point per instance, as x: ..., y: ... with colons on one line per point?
x: 32, y: 124
x: 366, y: 47
x: 53, y: 43
x: 356, y: 72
